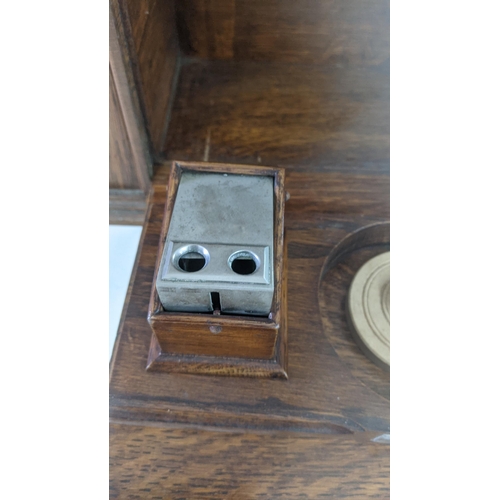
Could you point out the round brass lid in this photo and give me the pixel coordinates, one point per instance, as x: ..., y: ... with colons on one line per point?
x: 368, y: 307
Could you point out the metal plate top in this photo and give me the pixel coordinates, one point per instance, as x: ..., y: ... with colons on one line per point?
x: 223, y: 208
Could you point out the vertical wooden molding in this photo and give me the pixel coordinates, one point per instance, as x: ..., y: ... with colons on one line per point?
x: 119, y: 58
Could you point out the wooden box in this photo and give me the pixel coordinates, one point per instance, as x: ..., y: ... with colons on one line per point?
x: 217, y: 344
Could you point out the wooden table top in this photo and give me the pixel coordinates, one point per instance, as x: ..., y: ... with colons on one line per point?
x: 188, y: 436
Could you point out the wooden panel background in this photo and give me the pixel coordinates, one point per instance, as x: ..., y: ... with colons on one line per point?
x: 121, y: 166
x: 298, y: 31
x: 130, y: 159
x: 152, y: 36
x: 295, y: 116
x: 144, y: 59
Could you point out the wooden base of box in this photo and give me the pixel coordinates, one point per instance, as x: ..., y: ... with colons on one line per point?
x: 220, y: 344
x: 275, y: 367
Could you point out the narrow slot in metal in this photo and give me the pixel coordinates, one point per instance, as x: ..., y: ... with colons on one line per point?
x: 215, y: 299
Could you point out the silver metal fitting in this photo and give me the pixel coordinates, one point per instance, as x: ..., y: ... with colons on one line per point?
x: 218, y: 255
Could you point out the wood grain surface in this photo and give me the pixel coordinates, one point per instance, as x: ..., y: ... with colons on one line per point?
x: 322, y: 392
x: 189, y: 436
x: 308, y: 436
x: 151, y: 35
x: 319, y: 119
x: 130, y: 162
x: 121, y: 168
x: 349, y: 32
x: 174, y: 463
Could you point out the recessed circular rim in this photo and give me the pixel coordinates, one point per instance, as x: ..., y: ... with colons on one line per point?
x: 243, y: 253
x: 192, y: 248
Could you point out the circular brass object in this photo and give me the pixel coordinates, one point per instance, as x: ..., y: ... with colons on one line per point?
x: 368, y: 307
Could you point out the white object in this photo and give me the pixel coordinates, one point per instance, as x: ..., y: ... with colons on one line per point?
x: 123, y: 244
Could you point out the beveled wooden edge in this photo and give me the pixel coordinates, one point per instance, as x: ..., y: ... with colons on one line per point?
x: 211, y: 365
x: 277, y: 367
x: 281, y: 347
x: 159, y: 315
